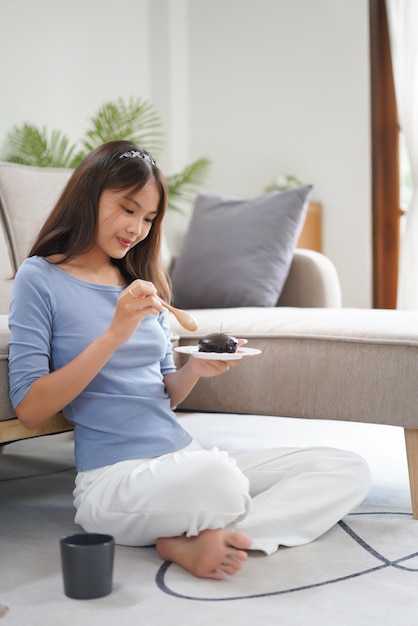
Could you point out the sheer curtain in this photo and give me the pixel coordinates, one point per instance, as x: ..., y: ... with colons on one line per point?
x: 403, y: 32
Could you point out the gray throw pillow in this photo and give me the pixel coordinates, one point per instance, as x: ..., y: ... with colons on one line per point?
x: 238, y: 252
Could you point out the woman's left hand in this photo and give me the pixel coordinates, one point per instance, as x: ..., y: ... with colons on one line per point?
x: 180, y: 383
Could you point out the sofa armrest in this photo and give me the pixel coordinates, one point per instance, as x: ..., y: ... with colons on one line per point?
x: 312, y: 282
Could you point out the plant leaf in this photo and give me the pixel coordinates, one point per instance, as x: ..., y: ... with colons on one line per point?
x: 135, y: 120
x: 30, y: 145
x: 183, y: 187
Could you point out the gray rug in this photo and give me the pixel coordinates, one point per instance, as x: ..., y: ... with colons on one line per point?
x: 364, y: 571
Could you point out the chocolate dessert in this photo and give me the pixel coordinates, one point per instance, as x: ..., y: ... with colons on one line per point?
x: 218, y: 342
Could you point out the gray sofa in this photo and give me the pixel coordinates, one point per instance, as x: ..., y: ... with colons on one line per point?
x: 318, y: 360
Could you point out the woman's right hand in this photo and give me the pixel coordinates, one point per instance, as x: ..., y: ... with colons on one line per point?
x: 135, y: 303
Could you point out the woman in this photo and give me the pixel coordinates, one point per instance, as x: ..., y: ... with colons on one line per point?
x: 90, y: 336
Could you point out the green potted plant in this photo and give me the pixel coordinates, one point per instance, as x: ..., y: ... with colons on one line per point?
x: 135, y: 120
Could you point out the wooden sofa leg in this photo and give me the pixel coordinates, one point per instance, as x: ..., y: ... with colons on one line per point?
x: 411, y: 442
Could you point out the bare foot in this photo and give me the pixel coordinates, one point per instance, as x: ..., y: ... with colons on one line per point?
x: 209, y: 554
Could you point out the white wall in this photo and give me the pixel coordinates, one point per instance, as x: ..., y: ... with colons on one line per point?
x: 261, y: 87
x: 282, y: 86
x: 61, y: 60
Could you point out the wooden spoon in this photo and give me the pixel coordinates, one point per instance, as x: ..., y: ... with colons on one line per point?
x: 184, y: 319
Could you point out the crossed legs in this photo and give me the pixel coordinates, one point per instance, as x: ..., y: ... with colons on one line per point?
x: 205, y: 509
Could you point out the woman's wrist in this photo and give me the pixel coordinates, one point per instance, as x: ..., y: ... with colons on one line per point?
x: 110, y: 340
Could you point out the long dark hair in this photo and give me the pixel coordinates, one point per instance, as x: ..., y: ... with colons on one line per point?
x: 71, y: 227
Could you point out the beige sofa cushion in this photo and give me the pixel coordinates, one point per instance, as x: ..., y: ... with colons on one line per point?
x: 27, y: 195
x: 6, y: 273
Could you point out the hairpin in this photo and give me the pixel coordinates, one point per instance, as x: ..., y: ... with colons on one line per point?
x: 138, y: 154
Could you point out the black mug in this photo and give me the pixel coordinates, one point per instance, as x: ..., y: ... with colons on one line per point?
x: 87, y: 565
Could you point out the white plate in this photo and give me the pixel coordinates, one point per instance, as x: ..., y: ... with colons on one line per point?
x: 218, y: 356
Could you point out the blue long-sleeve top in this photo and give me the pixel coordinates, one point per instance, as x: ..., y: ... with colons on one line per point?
x: 124, y: 412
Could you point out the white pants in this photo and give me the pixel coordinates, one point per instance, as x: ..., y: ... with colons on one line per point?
x: 285, y: 496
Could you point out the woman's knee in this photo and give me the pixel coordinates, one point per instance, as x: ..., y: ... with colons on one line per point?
x: 351, y: 469
x: 211, y: 479
x: 361, y: 474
